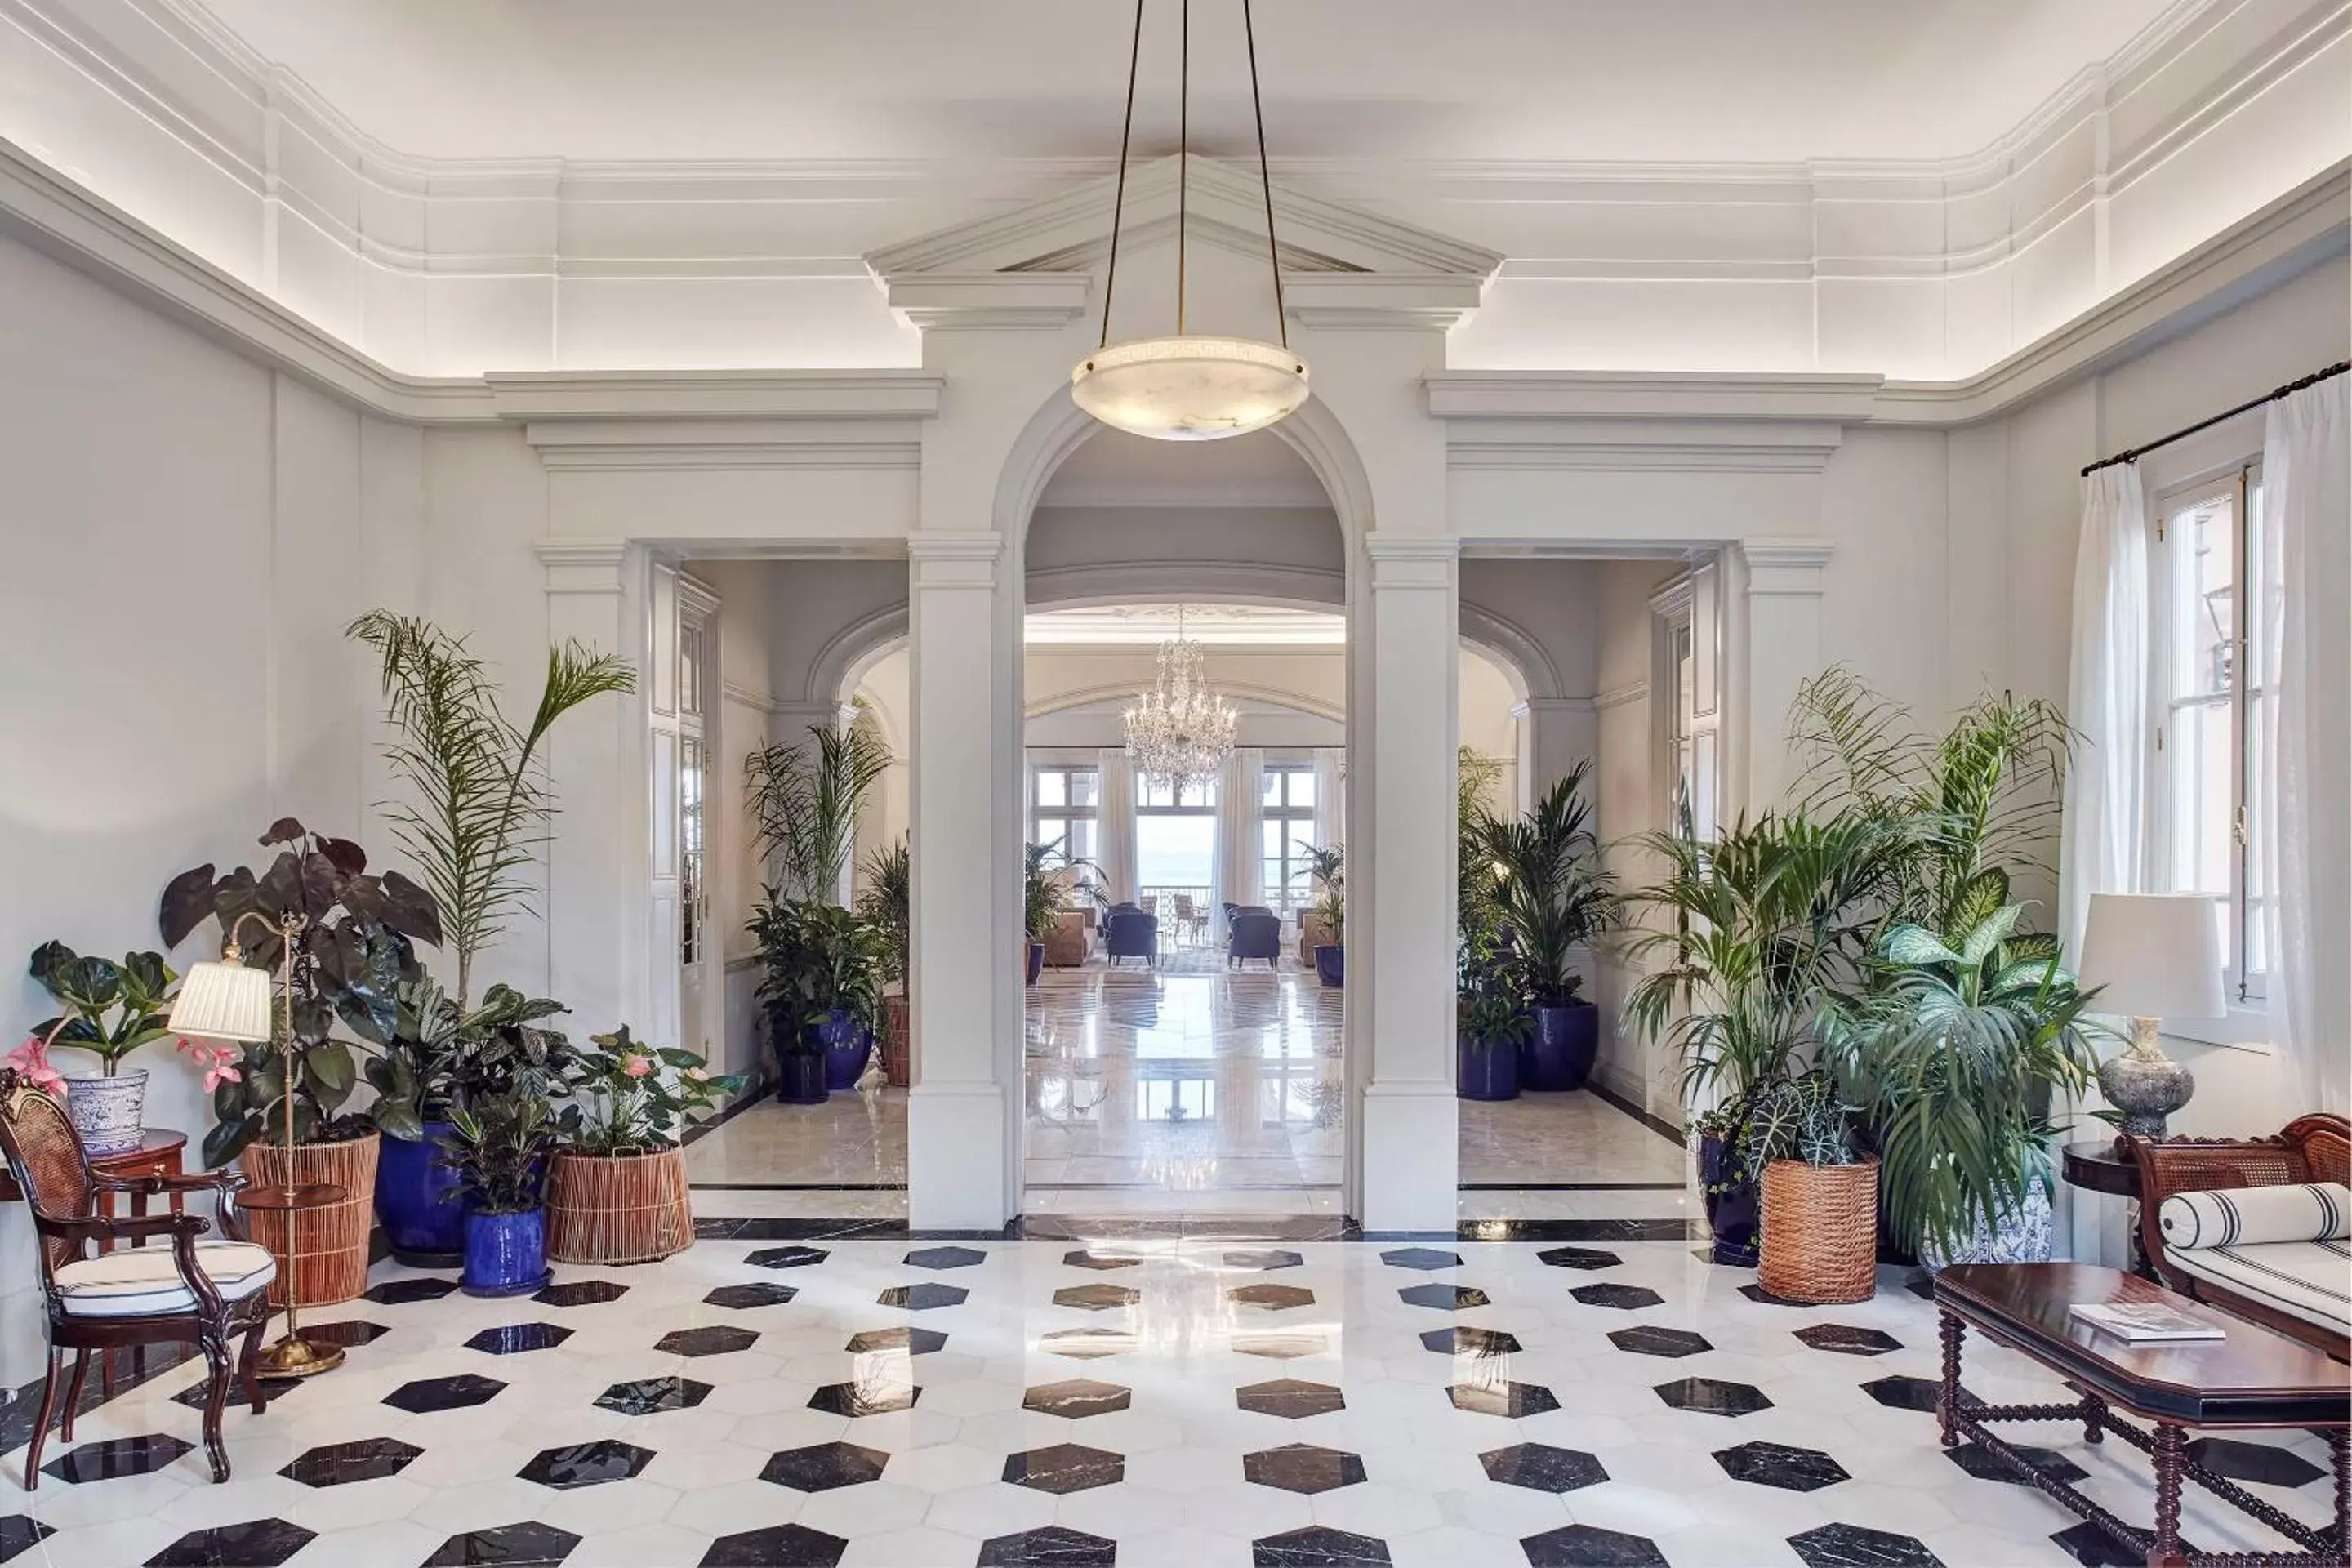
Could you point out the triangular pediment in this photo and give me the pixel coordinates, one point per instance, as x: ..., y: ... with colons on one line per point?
x: 1224, y: 207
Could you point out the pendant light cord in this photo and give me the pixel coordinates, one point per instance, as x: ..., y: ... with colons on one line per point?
x: 1265, y: 180
x: 1184, y: 149
x: 1118, y: 202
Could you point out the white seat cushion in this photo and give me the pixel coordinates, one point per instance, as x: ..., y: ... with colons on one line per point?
x: 2305, y: 1279
x: 2246, y: 1217
x: 143, y: 1281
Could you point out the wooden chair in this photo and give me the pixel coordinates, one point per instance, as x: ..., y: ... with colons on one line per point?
x: 2309, y: 1149
x: 203, y: 1294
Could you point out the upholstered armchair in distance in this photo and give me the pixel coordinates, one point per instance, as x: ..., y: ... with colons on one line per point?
x: 1129, y: 933
x: 206, y: 1293
x: 1256, y: 933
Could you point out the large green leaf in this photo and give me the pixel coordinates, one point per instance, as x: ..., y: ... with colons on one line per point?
x: 228, y: 1140
x: 1990, y: 933
x: 187, y: 901
x: 1912, y: 944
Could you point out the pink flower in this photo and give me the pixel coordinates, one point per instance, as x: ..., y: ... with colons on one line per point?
x: 219, y: 1062
x: 32, y: 1061
x: 637, y: 1067
x: 697, y: 1075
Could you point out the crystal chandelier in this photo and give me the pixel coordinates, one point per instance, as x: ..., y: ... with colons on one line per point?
x: 1181, y: 731
x: 1189, y: 387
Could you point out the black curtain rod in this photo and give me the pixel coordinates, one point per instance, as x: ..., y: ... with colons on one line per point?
x: 2314, y: 379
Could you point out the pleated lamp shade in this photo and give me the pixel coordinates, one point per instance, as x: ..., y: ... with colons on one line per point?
x: 223, y: 1001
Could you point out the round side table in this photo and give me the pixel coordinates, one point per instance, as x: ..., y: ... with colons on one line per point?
x: 2101, y: 1165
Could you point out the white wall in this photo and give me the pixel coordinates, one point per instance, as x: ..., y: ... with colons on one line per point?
x: 744, y: 702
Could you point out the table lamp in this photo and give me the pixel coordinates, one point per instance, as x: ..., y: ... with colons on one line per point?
x: 2152, y: 957
x: 227, y: 1000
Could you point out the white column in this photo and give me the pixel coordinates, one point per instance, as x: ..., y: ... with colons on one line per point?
x: 599, y: 908
x: 1407, y: 899
x: 958, y: 1113
x: 1783, y: 640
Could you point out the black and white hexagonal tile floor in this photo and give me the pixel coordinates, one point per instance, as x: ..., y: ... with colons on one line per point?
x: 1135, y: 1400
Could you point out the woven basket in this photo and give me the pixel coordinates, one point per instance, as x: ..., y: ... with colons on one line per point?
x: 1820, y: 1232
x: 618, y: 1208
x: 897, y: 1042
x: 330, y: 1244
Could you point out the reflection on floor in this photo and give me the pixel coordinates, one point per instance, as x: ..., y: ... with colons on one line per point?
x: 1145, y: 1403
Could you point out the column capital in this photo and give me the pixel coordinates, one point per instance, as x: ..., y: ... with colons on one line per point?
x: 1411, y: 561
x: 1785, y: 566
x: 964, y: 558
x: 582, y: 566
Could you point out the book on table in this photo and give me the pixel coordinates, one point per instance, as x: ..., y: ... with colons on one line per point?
x: 2144, y: 1322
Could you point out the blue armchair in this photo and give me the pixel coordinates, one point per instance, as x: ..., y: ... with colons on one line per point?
x: 1129, y: 932
x: 1255, y: 934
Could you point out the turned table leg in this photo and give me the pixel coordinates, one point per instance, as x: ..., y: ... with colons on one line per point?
x: 2341, y: 1441
x: 1948, y: 1401
x: 2171, y: 1466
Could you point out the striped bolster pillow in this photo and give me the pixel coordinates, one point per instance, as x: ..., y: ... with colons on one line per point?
x: 2249, y: 1216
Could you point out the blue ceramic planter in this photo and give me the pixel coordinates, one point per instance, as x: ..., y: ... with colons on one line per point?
x: 1035, y: 966
x: 506, y: 1254
x: 416, y: 1197
x: 1560, y: 1053
x: 1486, y: 1070
x: 846, y: 1044
x: 1731, y: 1213
x: 1331, y: 965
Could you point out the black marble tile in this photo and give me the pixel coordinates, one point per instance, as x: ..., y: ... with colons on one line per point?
x: 1273, y: 1258
x: 1076, y: 1397
x: 1511, y: 1399
x: 651, y: 1395
x: 272, y: 1389
x: 1444, y: 1297
x: 257, y: 1544
x: 1624, y: 1297
x: 1987, y: 1466
x: 117, y: 1458
x: 714, y: 1339
x: 1290, y: 1398
x: 742, y: 1297
x: 1481, y: 1343
x: 349, y: 1332
x: 874, y: 1396
x: 20, y: 1533
x: 363, y: 1460
x: 1779, y: 1465
x: 2094, y: 1548
x: 586, y: 1463
x: 529, y: 1544
x: 1421, y: 1258
x: 1096, y: 1297
x: 788, y: 1257
x: 2263, y: 1462
x: 904, y: 1341
x: 1847, y: 1340
x: 1319, y: 1546
x: 1050, y: 1547
x: 777, y: 1546
x: 1302, y: 1468
x: 1649, y: 1338
x: 922, y: 1298
x: 1589, y: 1546
x: 1851, y: 1546
x: 1064, y: 1467
x: 1281, y: 1347
x: 1920, y: 1393
x: 1271, y: 1298
x: 946, y: 1257
x: 1540, y: 1466
x: 392, y: 1293
x: 581, y: 1293
x: 1088, y: 1344
x: 1763, y: 1298
x: 513, y: 1338
x: 825, y: 1466
x: 1585, y: 1257
x: 1713, y: 1396
x: 444, y: 1393
x: 1085, y: 1258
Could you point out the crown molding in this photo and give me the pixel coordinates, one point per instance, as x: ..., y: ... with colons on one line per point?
x: 989, y: 302
x: 1649, y: 394
x: 548, y: 396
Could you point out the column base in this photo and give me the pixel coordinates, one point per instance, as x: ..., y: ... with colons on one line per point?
x: 1411, y: 1156
x: 955, y: 1158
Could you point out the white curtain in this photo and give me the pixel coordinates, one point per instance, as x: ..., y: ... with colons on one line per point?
x: 2100, y: 841
x: 1330, y: 797
x: 1114, y: 824
x: 1240, y: 868
x: 2306, y: 731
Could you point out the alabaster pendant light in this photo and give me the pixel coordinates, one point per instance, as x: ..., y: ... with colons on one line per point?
x: 1187, y: 387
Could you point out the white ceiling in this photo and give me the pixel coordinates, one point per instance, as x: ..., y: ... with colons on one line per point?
x: 957, y: 82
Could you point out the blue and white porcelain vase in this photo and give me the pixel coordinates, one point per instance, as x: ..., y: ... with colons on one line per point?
x: 109, y: 1112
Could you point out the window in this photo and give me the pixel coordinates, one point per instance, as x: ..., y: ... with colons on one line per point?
x: 1064, y: 804
x: 1286, y: 814
x: 2205, y: 800
x: 1175, y: 847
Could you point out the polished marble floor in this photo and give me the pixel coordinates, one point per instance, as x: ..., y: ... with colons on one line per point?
x: 775, y: 1397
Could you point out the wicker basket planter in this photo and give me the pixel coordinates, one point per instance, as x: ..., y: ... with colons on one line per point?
x: 1820, y: 1232
x: 330, y: 1244
x: 618, y: 1208
x: 897, y: 1042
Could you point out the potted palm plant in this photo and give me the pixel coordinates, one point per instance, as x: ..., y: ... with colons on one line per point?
x: 887, y: 908
x: 1486, y: 1050
x: 818, y: 992
x: 500, y: 1144
x: 616, y: 1192
x: 1041, y: 905
x: 109, y: 1011
x: 1327, y: 875
x: 1820, y: 1197
x: 476, y: 810
x: 1554, y: 898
